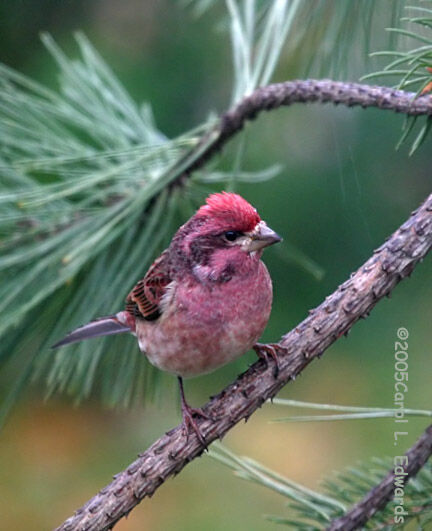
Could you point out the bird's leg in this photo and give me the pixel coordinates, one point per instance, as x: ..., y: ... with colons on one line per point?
x: 266, y: 351
x: 188, y: 414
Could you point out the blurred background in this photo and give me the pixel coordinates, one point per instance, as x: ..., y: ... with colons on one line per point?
x: 343, y: 189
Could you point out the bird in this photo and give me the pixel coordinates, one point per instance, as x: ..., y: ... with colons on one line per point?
x: 204, y: 302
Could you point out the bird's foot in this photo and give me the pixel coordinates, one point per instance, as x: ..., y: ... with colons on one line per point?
x: 266, y: 351
x: 189, y: 422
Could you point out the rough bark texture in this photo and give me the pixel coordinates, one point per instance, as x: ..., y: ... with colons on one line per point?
x: 353, y: 300
x: 380, y: 495
x: 300, y: 91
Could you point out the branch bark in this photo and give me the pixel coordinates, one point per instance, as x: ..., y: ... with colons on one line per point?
x: 379, y: 496
x: 299, y: 91
x: 354, y: 299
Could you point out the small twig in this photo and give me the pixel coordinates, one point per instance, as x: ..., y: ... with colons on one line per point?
x: 354, y: 299
x: 381, y: 494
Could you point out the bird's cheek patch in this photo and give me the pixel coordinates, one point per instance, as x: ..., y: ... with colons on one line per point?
x: 202, y: 272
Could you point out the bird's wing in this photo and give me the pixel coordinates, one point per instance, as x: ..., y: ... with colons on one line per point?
x: 145, y: 298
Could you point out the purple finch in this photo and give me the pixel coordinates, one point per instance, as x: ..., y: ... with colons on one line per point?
x: 205, y: 301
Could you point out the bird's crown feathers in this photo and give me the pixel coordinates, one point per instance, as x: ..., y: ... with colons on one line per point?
x: 231, y: 209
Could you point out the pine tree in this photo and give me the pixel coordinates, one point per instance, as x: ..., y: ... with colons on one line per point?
x: 91, y: 186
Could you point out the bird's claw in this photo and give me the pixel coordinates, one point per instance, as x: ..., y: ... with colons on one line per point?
x: 269, y: 350
x: 189, y: 422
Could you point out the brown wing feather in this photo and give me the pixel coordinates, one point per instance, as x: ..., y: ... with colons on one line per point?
x: 144, y: 299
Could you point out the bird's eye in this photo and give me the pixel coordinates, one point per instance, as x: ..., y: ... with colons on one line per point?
x: 232, y: 235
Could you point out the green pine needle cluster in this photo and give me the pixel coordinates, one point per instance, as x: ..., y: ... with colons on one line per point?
x: 410, y: 68
x: 84, y: 209
x: 311, y: 510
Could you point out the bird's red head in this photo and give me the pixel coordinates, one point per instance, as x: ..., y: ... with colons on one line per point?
x: 224, y: 238
x: 229, y: 210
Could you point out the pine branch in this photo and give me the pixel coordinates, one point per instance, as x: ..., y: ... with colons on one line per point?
x: 354, y: 299
x: 379, y: 496
x: 301, y: 91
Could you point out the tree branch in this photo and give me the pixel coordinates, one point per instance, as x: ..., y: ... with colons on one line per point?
x: 353, y: 300
x: 300, y: 91
x: 379, y: 496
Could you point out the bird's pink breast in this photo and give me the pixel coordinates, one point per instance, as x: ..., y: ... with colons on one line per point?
x: 206, y: 325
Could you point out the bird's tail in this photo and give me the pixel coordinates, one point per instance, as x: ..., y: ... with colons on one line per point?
x: 104, y: 326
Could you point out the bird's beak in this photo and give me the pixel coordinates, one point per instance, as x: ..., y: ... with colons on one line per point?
x: 262, y: 236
